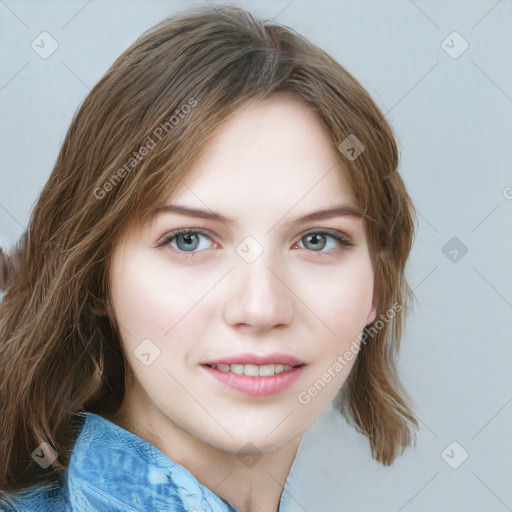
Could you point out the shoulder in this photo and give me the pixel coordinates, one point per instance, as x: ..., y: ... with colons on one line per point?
x: 37, y: 499
x: 112, y: 469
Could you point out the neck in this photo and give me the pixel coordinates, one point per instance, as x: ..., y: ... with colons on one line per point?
x: 251, y: 482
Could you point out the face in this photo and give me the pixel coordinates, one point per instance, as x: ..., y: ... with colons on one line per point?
x: 239, y: 330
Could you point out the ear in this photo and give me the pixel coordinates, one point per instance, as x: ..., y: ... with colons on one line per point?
x: 372, y: 314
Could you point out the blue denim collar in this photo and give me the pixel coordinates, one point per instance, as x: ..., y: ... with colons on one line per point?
x: 113, y: 469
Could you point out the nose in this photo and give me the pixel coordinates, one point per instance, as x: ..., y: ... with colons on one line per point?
x: 258, y: 297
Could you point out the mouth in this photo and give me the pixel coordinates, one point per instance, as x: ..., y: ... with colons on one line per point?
x: 252, y: 370
x: 256, y: 375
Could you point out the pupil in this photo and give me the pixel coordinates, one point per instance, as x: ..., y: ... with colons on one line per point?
x: 190, y: 240
x: 315, y: 239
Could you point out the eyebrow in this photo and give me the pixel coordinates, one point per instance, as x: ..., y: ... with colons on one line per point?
x: 326, y: 213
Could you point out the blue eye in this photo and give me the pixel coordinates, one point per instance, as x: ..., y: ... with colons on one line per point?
x: 185, y: 240
x: 318, y: 240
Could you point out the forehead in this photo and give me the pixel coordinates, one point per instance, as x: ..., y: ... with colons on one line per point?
x: 269, y: 152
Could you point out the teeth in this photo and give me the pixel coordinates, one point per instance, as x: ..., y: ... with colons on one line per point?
x: 253, y: 370
x: 267, y: 369
x: 238, y: 369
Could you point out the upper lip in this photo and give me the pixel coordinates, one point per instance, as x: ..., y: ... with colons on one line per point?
x: 276, y: 358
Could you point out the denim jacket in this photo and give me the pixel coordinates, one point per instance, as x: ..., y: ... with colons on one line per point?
x: 113, y: 470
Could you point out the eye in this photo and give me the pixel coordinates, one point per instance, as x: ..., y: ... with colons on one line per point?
x: 186, y: 240
x: 316, y: 241
x: 190, y: 242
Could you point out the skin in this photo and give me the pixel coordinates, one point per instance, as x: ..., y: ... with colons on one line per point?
x: 270, y: 163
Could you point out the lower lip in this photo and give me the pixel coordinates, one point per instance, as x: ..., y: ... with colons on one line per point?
x: 257, y: 386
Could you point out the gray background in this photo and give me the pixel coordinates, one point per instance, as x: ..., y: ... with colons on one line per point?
x: 452, y: 119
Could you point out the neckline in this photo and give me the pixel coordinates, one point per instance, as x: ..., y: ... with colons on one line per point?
x: 152, y: 455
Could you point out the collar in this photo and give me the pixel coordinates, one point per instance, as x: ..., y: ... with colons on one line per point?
x: 113, y: 469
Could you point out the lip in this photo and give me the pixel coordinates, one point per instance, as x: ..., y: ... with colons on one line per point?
x: 274, y: 358
x: 256, y: 386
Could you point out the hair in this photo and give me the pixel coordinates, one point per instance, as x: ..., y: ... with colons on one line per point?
x: 6, y: 271
x: 128, y: 146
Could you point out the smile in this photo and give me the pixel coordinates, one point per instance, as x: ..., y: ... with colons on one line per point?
x: 256, y: 375
x: 253, y: 370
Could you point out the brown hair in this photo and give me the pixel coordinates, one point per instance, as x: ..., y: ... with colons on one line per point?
x: 130, y: 143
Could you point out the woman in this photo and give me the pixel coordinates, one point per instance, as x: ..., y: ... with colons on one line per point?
x: 217, y: 256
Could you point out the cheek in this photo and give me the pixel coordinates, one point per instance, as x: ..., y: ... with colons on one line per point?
x: 343, y: 307
x: 342, y: 299
x: 147, y: 300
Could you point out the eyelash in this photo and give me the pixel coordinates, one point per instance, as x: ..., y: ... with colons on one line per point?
x: 336, y: 235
